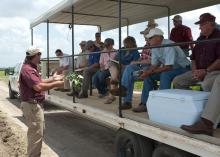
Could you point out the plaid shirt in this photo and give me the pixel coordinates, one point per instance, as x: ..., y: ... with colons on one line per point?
x: 146, y: 54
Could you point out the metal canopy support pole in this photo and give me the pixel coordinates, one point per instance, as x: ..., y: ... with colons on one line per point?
x: 32, y: 36
x: 168, y: 22
x: 48, y: 62
x: 119, y: 51
x: 72, y: 24
x: 127, y: 27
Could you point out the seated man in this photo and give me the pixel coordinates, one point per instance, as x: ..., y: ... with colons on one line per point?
x: 64, y: 68
x: 210, y: 115
x: 93, y: 67
x: 166, y: 63
x: 205, y: 57
x: 82, y: 61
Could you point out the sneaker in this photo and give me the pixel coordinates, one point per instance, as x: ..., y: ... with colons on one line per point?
x: 140, y: 108
x: 126, y: 106
x: 110, y: 100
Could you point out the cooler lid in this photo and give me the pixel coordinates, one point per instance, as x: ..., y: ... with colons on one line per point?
x: 180, y: 94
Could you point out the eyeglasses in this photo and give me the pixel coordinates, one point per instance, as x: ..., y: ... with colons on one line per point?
x: 39, y: 54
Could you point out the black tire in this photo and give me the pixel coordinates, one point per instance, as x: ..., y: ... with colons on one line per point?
x: 129, y: 144
x: 168, y: 151
x: 11, y: 93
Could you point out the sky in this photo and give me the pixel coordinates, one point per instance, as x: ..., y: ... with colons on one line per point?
x: 16, y: 16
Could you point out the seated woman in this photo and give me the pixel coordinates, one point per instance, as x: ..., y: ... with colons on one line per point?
x: 127, y: 56
x: 131, y: 73
x: 99, y: 79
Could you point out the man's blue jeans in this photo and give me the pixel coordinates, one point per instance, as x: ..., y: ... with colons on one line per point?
x: 165, y: 79
x: 128, y: 79
x: 99, y: 80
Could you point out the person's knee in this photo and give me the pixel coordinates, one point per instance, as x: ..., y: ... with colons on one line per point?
x: 207, y: 86
x: 176, y: 81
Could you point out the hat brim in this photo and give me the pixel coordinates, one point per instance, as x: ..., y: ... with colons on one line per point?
x: 198, y: 22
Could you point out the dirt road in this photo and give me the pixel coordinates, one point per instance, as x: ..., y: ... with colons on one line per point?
x: 66, y: 135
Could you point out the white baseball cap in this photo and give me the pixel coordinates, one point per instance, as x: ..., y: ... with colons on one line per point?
x: 153, y: 32
x: 33, y: 50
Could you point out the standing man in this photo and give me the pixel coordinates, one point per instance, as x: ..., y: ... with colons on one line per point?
x: 64, y: 68
x: 98, y: 41
x: 32, y: 89
x: 181, y: 33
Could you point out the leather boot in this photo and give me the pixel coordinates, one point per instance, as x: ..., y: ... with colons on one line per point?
x: 203, y: 126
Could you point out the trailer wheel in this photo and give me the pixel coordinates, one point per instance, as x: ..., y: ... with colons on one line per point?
x: 11, y: 93
x: 168, y: 151
x: 129, y: 144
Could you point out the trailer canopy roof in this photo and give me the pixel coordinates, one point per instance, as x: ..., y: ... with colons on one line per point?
x: 104, y: 13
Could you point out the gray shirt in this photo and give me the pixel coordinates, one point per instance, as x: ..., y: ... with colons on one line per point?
x: 169, y: 56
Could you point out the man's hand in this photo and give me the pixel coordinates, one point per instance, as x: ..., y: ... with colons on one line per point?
x: 199, y: 74
x: 58, y: 77
x: 145, y: 74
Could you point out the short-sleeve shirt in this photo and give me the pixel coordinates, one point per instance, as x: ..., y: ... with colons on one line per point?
x: 169, y: 56
x: 128, y: 56
x: 105, y: 58
x: 30, y: 77
x: 66, y: 61
x: 181, y: 33
x: 81, y: 59
x: 207, y: 53
x: 94, y: 57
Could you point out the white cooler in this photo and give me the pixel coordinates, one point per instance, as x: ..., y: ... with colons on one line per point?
x: 176, y: 107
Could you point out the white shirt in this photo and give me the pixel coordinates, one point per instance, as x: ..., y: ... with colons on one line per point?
x: 65, y: 61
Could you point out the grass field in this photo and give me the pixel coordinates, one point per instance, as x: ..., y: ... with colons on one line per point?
x: 3, y: 77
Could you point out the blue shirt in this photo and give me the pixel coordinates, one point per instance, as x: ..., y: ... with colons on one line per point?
x: 169, y: 56
x: 128, y: 56
x: 94, y: 57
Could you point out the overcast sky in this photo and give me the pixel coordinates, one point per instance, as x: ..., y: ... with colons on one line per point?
x: 16, y: 15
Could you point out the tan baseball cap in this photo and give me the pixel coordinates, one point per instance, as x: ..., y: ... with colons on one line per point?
x: 33, y: 50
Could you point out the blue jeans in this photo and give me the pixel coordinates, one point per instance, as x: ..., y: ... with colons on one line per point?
x: 128, y: 79
x: 165, y: 79
x: 99, y: 80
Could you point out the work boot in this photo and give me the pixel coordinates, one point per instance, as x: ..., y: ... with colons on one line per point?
x: 203, y: 126
x: 126, y: 106
x: 141, y: 108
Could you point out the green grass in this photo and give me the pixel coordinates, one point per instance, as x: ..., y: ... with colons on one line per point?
x: 3, y: 77
x: 138, y: 85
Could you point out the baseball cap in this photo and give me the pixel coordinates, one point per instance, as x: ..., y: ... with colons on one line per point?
x: 82, y: 43
x: 33, y: 50
x: 89, y: 43
x: 206, y: 17
x: 153, y: 32
x: 177, y: 18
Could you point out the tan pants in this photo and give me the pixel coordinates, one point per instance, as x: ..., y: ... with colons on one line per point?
x: 212, y: 109
x: 186, y: 80
x: 34, y: 118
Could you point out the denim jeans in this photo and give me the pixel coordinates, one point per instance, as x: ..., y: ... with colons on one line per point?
x: 165, y: 79
x: 99, y: 80
x: 128, y: 79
